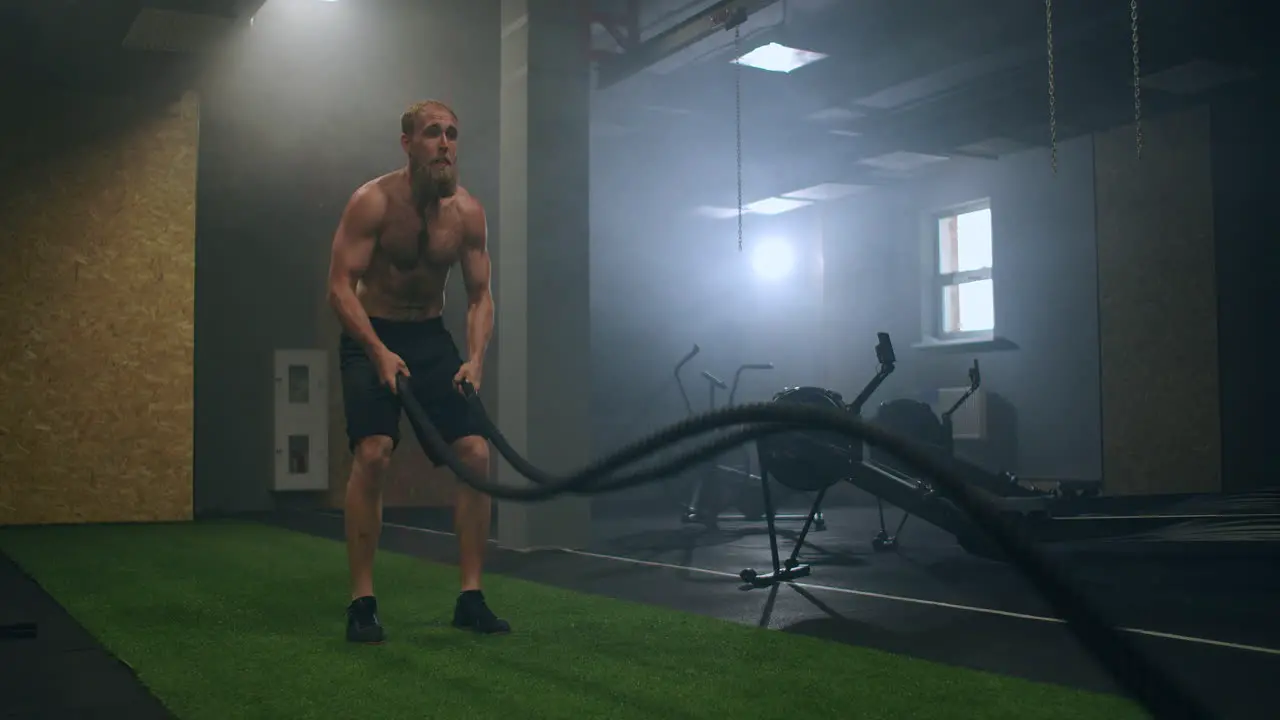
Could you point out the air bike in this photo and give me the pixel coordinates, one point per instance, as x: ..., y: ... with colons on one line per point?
x: 820, y: 446
x: 816, y: 461
x: 726, y: 481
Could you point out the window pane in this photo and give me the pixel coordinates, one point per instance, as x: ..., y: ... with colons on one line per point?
x: 964, y: 241
x: 947, y: 245
x: 968, y: 307
x: 974, y: 230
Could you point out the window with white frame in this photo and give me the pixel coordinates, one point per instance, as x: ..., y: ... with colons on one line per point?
x: 963, y: 292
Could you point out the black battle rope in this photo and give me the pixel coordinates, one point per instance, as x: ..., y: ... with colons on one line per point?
x: 1133, y: 672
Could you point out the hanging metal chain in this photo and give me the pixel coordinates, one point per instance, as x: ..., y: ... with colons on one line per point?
x: 737, y: 121
x: 1137, y: 76
x: 1053, y: 100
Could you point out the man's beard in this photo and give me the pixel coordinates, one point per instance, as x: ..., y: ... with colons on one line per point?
x: 433, y: 181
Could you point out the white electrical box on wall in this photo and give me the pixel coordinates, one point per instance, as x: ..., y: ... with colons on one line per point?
x: 301, y: 420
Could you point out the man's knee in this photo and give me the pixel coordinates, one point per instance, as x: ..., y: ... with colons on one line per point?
x: 473, y: 451
x: 372, y: 458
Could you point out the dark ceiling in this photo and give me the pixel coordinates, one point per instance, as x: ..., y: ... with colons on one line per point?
x: 96, y: 44
x: 905, y: 85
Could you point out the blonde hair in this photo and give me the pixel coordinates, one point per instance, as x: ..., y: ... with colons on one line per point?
x: 410, y: 116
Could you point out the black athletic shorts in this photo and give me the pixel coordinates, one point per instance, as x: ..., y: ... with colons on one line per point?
x: 428, y: 350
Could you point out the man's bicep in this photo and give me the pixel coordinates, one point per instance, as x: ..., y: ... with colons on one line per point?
x: 354, y: 239
x: 476, y: 271
x: 475, y: 258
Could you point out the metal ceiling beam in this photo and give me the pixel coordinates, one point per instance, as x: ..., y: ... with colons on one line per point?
x: 246, y: 9
x: 720, y: 17
x: 623, y: 27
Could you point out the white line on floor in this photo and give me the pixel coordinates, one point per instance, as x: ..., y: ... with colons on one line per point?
x: 933, y: 603
x: 1243, y: 517
x: 867, y: 594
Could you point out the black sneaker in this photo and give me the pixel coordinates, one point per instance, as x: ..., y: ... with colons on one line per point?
x: 471, y: 613
x: 362, y: 621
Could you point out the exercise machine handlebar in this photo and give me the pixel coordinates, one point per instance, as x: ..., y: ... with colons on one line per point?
x: 714, y: 380
x: 975, y: 382
x: 688, y: 406
x: 887, y: 360
x: 685, y: 360
x: 737, y: 375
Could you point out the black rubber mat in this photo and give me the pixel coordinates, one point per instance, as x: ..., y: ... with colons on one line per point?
x: 61, y: 672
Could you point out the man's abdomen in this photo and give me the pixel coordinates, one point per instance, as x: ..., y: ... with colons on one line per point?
x: 406, y: 298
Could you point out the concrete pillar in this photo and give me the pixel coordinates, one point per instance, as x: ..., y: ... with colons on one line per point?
x: 541, y: 266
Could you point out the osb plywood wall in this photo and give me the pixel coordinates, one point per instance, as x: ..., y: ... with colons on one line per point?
x: 97, y: 228
x: 1158, y: 308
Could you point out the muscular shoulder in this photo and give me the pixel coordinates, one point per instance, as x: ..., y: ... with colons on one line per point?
x: 368, y: 204
x: 471, y: 211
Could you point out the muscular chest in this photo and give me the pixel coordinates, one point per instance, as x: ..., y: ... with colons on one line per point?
x: 409, y: 243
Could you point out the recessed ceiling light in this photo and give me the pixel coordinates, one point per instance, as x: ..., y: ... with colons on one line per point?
x: 993, y: 146
x: 778, y: 58
x: 834, y: 114
x: 774, y: 206
x: 719, y: 213
x: 901, y: 161
x: 824, y: 191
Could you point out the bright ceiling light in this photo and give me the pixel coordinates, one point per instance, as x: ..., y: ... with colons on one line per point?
x: 719, y: 213
x: 778, y: 58
x: 834, y: 114
x: 772, y: 259
x: 825, y: 191
x: 902, y: 161
x: 774, y: 206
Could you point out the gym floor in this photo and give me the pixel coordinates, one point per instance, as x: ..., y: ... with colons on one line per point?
x: 1208, y: 615
x: 1211, y: 620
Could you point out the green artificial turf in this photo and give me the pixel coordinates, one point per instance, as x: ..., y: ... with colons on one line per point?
x: 237, y: 620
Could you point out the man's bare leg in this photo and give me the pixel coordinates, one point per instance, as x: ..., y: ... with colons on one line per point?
x: 362, y: 518
x: 472, y: 512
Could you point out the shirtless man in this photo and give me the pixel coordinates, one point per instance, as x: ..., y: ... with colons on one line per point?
x: 398, y: 238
